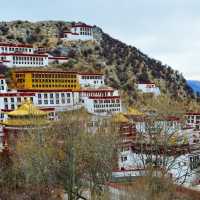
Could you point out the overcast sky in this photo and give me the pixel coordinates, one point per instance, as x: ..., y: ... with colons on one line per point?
x: 168, y: 30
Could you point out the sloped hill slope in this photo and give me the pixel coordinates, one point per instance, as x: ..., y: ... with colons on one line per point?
x: 123, y: 64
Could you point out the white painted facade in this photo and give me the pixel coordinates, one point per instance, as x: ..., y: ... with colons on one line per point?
x: 14, y: 48
x: 149, y: 88
x: 98, y: 92
x: 102, y: 106
x: 182, y: 166
x: 79, y: 31
x: 91, y: 80
x: 60, y: 100
x: 24, y: 60
x: 193, y: 120
x: 101, y: 101
x: 57, y: 59
x: 3, y: 84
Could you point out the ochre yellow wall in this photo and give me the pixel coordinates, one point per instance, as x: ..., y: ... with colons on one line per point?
x: 45, y: 81
x: 28, y: 81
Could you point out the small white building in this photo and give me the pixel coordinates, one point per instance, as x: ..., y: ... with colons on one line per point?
x: 100, y: 92
x: 57, y: 59
x: 14, y: 48
x: 192, y: 120
x: 182, y: 164
x: 104, y: 101
x: 103, y: 106
x: 78, y: 31
x: 149, y: 88
x: 60, y: 100
x: 95, y: 80
x: 24, y: 59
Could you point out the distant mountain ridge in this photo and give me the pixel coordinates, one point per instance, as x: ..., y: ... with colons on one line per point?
x: 194, y: 84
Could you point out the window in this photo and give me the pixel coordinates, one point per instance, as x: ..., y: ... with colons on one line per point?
x: 18, y: 100
x: 39, y: 101
x: 124, y: 149
x: 12, y: 106
x: 39, y: 96
x: 51, y: 101
x: 45, y: 96
x: 124, y: 158
x: 45, y: 101
x: 194, y: 162
x: 57, y: 101
x: 12, y: 100
x: 5, y: 100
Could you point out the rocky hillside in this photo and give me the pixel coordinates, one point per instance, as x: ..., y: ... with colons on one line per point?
x: 124, y: 65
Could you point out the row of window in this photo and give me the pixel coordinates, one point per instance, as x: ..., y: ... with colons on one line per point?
x: 106, y: 105
x: 51, y: 101
x: 53, y: 86
x: 20, y: 81
x: 53, y: 75
x: 85, y: 29
x: 11, y: 107
x: 102, y: 94
x: 107, y: 110
x: 85, y: 33
x: 6, y: 49
x: 12, y: 99
x: 107, y: 101
x: 27, y: 63
x: 92, y: 77
x: 54, y: 80
x: 52, y: 95
x: 193, y: 117
x: 20, y: 75
x: 28, y: 58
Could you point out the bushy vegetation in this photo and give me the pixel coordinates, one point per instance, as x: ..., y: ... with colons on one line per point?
x: 123, y: 64
x: 130, y: 65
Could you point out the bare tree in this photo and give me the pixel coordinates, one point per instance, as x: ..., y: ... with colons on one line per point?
x: 66, y: 155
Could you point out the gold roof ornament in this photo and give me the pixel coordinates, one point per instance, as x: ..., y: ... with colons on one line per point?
x: 25, y: 122
x: 26, y: 115
x: 133, y: 111
x: 27, y: 109
x: 119, y: 118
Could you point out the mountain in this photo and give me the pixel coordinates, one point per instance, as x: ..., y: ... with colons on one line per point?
x: 124, y: 65
x: 195, y: 85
